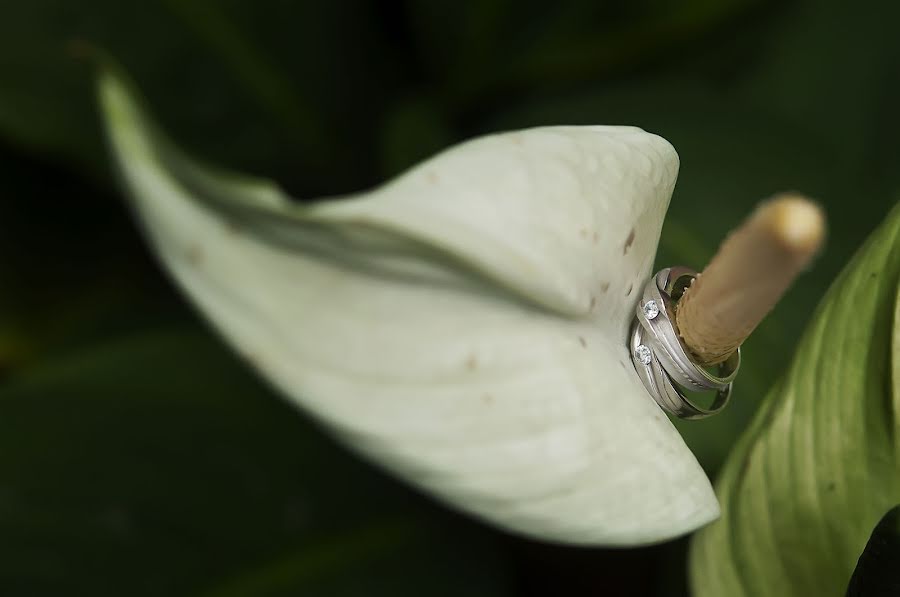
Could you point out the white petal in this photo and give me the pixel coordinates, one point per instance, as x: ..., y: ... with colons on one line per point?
x: 463, y: 326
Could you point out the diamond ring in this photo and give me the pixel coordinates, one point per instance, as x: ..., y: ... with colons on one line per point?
x: 661, y: 360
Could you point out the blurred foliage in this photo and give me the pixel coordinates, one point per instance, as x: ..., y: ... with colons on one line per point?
x: 120, y: 472
x: 757, y: 96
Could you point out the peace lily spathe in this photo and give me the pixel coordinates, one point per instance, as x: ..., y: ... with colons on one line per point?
x: 463, y: 325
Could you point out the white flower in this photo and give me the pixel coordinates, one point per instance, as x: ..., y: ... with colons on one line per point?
x: 462, y: 326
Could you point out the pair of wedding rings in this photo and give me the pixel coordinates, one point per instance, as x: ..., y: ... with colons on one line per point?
x: 661, y: 360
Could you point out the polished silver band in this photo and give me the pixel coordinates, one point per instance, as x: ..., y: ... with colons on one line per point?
x: 663, y: 364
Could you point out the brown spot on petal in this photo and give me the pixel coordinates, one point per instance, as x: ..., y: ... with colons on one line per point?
x: 194, y: 255
x: 593, y: 302
x: 472, y: 363
x: 604, y: 286
x: 583, y: 233
x: 231, y: 227
x: 432, y: 178
x: 628, y: 242
x: 582, y: 341
x: 487, y: 398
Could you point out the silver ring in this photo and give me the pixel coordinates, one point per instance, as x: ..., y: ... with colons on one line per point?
x: 663, y: 364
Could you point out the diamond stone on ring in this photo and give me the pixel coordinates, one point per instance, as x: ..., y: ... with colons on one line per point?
x: 651, y: 309
x: 664, y: 365
x: 643, y: 354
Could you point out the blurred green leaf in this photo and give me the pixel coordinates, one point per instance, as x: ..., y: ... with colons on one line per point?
x: 116, y: 480
x: 820, y: 462
x: 273, y: 89
x: 828, y: 66
x: 876, y: 573
x: 71, y: 266
x: 413, y: 131
x: 477, y: 51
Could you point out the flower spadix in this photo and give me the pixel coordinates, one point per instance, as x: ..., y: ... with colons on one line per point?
x: 462, y: 326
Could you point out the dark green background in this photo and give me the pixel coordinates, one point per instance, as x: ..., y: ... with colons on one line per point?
x: 137, y: 457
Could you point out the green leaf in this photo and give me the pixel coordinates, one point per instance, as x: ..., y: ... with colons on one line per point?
x: 876, y: 573
x: 156, y: 466
x: 821, y: 461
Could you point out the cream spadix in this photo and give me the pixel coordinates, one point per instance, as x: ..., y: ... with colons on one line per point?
x: 462, y: 326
